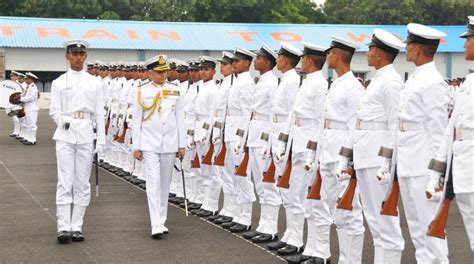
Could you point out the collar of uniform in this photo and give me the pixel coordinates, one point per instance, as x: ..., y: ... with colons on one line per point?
x: 346, y: 76
x: 266, y: 75
x: 245, y: 74
x: 383, y: 70
x: 289, y: 73
x: 210, y: 82
x: 314, y: 74
x: 76, y: 73
x: 427, y: 66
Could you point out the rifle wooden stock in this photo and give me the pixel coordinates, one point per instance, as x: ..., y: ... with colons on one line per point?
x: 121, y: 138
x: 241, y: 170
x: 195, y: 162
x: 220, y: 158
x: 347, y: 197
x: 284, y: 179
x: 269, y: 175
x: 208, y: 157
x: 390, y: 204
x: 314, y: 191
x: 107, y: 124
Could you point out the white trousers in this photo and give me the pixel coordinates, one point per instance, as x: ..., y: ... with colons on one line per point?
x: 74, y: 163
x: 158, y: 168
x: 176, y: 186
x: 228, y: 188
x: 385, y: 229
x: 465, y: 203
x: 16, y: 125
x: 419, y: 213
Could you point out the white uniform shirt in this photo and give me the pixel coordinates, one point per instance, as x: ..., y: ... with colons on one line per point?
x: 462, y: 150
x: 262, y: 105
x: 308, y: 105
x: 424, y: 100
x: 240, y: 98
x: 78, y: 91
x: 379, y: 104
x: 341, y: 104
x: 221, y: 104
x: 30, y: 99
x: 204, y: 110
x: 164, y: 131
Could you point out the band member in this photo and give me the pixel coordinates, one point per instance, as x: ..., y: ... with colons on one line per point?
x: 76, y: 105
x: 30, y: 101
x: 461, y: 125
x: 423, y: 116
x: 158, y: 136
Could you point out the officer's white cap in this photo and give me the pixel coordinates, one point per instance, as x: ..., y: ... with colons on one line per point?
x: 289, y: 50
x: 31, y: 75
x: 243, y: 54
x: 386, y: 41
x: 344, y: 44
x: 310, y: 48
x: 423, y: 34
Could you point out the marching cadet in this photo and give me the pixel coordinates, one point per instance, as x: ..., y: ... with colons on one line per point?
x: 204, y: 109
x: 30, y: 101
x: 238, y: 110
x: 158, y: 137
x: 376, y: 126
x: 14, y: 76
x: 306, y: 119
x: 76, y: 104
x: 461, y: 150
x: 339, y: 120
x: 227, y: 212
x: 260, y: 123
x: 423, y: 116
x: 282, y: 104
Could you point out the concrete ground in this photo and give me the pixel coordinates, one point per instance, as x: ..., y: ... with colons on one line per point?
x: 117, y: 226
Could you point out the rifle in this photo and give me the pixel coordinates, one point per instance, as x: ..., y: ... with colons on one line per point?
x: 284, y: 179
x: 345, y: 201
x: 269, y: 174
x: 195, y: 164
x: 437, y: 227
x: 220, y: 158
x: 121, y: 138
x: 207, y: 159
x: 314, y: 191
x: 390, y: 203
x: 107, y: 122
x: 241, y: 170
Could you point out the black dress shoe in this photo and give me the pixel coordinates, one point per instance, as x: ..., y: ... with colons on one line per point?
x: 18, y: 137
x: 297, y: 259
x: 239, y: 228
x: 206, y: 213
x: 171, y: 195
x: 194, y: 211
x: 77, y: 236
x: 64, y: 237
x: 264, y: 238
x: 223, y: 219
x: 157, y: 236
x: 12, y: 135
x: 119, y: 171
x: 228, y: 225
x: 276, y: 245
x: 289, y: 250
x: 251, y: 234
x: 316, y: 260
x: 212, y: 218
x: 29, y: 143
x: 176, y: 200
x: 143, y: 186
x: 129, y: 177
x: 193, y: 206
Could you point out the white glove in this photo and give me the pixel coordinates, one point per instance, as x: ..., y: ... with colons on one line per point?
x: 265, y: 153
x: 384, y: 174
x: 343, y: 165
x: 217, y: 141
x: 238, y: 148
x: 309, y: 164
x: 190, y: 143
x: 280, y: 155
x: 99, y: 148
x: 434, y: 191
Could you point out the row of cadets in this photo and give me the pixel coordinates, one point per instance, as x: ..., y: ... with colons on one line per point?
x: 238, y: 116
x: 159, y: 135
x: 260, y: 124
x: 204, y: 106
x: 226, y: 214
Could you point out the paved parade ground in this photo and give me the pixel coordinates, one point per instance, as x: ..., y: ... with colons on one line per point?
x: 117, y: 225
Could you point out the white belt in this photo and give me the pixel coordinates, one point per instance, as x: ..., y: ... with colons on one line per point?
x: 464, y: 134
x: 80, y: 115
x: 333, y: 124
x: 219, y: 113
x: 371, y: 125
x: 279, y: 118
x: 305, y: 121
x: 201, y: 117
x: 233, y: 112
x: 409, y: 126
x: 257, y: 116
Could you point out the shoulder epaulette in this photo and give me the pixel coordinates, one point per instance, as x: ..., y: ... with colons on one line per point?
x: 171, y: 83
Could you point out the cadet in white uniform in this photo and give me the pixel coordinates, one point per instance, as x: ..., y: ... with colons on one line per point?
x: 260, y: 123
x: 159, y: 135
x: 282, y: 104
x: 461, y: 125
x: 306, y: 119
x: 423, y: 116
x: 238, y: 110
x: 76, y: 105
x: 14, y: 75
x: 30, y: 103
x: 376, y: 126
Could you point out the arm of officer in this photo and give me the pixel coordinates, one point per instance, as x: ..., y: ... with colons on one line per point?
x: 245, y: 97
x: 436, y: 99
x: 30, y: 95
x: 137, y: 124
x: 55, y: 110
x: 99, y: 114
x: 180, y: 123
x: 391, y: 100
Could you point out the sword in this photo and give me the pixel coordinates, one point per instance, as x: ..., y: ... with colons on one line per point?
x: 184, y: 187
